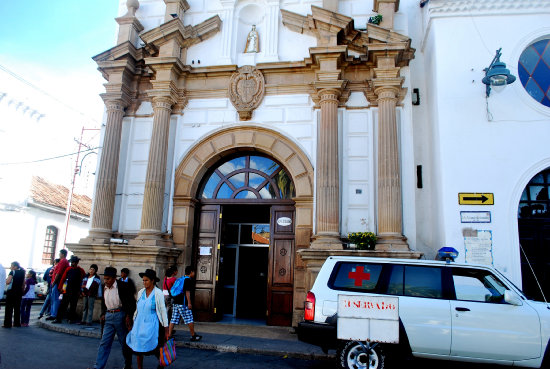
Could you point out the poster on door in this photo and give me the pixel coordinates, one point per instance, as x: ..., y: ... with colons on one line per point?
x: 478, y: 246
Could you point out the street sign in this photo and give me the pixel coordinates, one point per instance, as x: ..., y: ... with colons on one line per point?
x: 475, y: 217
x: 475, y: 198
x: 368, y: 318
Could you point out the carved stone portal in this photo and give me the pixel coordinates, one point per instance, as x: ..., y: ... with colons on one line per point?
x: 246, y: 90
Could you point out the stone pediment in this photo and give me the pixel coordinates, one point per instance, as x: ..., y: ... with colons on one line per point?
x: 185, y: 36
x: 118, y: 52
x: 332, y: 30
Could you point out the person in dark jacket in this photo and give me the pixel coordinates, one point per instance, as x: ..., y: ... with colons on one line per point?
x: 14, y: 285
x: 69, y: 285
x: 89, y: 291
x: 118, y: 305
x: 124, y: 277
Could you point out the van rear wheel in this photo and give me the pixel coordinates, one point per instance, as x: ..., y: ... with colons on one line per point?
x: 355, y: 355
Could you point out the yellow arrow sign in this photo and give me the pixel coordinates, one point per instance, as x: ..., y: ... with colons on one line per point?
x: 475, y: 198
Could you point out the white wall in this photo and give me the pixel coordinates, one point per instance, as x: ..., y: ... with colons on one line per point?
x: 474, y: 153
x: 24, y: 231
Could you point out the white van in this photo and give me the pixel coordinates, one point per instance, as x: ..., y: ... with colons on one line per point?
x: 448, y: 311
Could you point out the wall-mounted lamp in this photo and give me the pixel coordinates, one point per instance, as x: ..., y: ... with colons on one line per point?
x: 497, y: 76
x: 416, y: 96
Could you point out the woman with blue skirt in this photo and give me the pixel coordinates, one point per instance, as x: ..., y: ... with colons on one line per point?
x: 150, y: 328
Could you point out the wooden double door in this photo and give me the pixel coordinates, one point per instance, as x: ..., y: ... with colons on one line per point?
x: 244, y: 259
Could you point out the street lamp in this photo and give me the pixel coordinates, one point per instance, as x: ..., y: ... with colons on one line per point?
x: 497, y: 76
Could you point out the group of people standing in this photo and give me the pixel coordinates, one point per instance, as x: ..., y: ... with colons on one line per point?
x: 143, y: 323
x: 19, y: 295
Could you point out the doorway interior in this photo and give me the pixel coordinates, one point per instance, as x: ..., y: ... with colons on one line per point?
x: 244, y: 255
x: 534, y: 236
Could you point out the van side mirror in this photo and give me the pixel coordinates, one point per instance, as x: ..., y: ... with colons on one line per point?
x: 512, y: 298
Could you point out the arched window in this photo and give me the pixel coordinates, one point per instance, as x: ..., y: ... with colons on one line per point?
x: 534, y: 71
x: 248, y: 177
x: 534, y: 202
x: 49, y: 245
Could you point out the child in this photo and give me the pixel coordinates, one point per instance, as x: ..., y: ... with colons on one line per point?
x: 28, y: 298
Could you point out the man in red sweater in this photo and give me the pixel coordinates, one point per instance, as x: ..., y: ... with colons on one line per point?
x: 69, y: 285
x: 56, y: 277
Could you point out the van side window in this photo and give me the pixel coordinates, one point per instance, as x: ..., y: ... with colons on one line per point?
x: 423, y: 282
x: 477, y: 285
x: 395, y: 285
x: 362, y: 277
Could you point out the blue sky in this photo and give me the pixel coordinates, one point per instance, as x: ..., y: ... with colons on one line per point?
x: 57, y: 33
x: 50, y: 44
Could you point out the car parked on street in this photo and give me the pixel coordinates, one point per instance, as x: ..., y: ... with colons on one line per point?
x: 41, y: 288
x: 449, y: 311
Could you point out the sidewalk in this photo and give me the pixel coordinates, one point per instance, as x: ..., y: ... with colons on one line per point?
x: 239, y: 338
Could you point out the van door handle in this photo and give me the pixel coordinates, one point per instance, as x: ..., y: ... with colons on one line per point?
x: 462, y: 309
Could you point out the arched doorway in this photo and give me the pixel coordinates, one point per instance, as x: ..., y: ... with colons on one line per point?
x: 534, y: 234
x: 246, y: 212
x: 196, y: 219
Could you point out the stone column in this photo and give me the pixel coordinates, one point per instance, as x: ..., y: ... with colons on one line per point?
x: 387, y: 88
x: 104, y: 203
x: 389, y: 182
x: 327, y: 170
x: 153, y: 201
x: 390, y: 217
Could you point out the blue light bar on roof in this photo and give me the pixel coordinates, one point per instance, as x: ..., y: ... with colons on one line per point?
x: 447, y: 253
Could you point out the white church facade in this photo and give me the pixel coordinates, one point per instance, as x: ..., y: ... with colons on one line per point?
x: 248, y: 138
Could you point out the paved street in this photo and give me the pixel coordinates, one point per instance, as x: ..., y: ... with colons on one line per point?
x: 39, y: 348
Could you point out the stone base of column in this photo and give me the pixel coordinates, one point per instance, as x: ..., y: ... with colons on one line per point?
x: 391, y: 242
x: 97, y: 237
x: 326, y: 241
x: 152, y: 239
x: 135, y: 258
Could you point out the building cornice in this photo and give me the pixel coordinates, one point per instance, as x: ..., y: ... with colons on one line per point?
x: 57, y: 210
x: 457, y: 8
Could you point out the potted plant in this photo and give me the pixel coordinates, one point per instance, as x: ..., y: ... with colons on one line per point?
x: 376, y: 19
x: 363, y: 240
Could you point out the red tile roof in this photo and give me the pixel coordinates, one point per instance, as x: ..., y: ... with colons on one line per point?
x: 47, y: 193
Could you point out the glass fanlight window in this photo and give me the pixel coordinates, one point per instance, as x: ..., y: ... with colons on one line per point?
x: 534, y: 71
x: 248, y: 177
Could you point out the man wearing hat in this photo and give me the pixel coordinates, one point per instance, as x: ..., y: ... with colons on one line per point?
x: 118, y: 305
x: 69, y: 286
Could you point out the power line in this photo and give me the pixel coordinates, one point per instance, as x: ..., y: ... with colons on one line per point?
x: 21, y: 79
x: 52, y: 158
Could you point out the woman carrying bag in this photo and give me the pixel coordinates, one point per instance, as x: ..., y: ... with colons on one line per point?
x: 150, y: 329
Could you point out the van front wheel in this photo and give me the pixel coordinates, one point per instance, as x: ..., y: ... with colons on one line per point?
x: 360, y: 355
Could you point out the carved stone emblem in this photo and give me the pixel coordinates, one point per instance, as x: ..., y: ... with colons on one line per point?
x: 246, y: 90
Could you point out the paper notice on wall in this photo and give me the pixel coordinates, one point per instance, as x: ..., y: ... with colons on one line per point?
x: 479, y: 249
x: 205, y: 250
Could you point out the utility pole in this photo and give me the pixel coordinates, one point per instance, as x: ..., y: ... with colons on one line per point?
x: 77, y: 168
